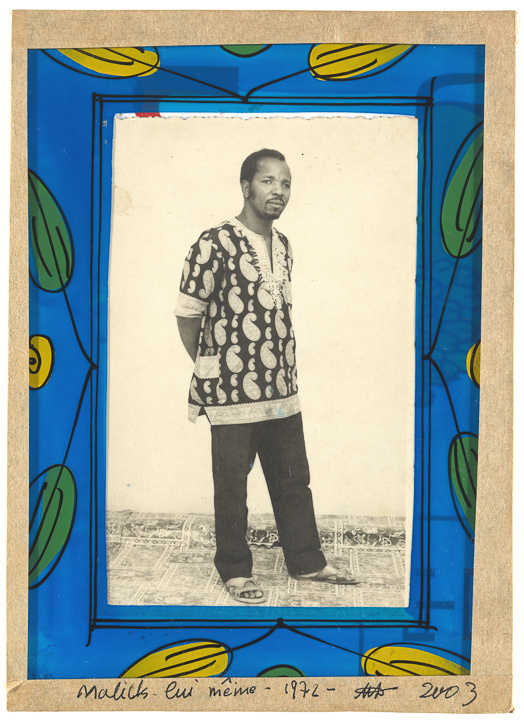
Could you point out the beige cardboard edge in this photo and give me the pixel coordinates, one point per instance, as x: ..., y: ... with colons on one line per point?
x: 101, y: 28
x: 492, y: 594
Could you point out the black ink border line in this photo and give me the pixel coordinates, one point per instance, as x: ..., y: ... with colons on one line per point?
x: 429, y: 166
x: 333, y: 623
x: 92, y: 432
x: 98, y: 100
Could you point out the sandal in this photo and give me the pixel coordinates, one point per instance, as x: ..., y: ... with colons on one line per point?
x: 249, y: 585
x: 329, y: 574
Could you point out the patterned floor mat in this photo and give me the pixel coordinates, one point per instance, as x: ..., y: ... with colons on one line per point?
x: 168, y: 560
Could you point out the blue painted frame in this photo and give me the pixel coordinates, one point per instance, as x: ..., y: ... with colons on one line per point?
x: 448, y: 105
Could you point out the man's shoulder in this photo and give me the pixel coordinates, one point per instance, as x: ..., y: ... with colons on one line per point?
x: 213, y: 232
x: 223, y: 237
x: 281, y: 235
x: 283, y: 239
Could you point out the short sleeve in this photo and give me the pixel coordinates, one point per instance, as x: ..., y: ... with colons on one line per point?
x: 202, y: 273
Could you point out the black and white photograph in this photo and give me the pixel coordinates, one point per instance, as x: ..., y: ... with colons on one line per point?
x: 261, y: 360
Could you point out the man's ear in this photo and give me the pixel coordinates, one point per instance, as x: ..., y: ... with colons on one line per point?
x: 245, y: 188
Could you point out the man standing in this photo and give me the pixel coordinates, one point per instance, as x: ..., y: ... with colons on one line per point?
x: 234, y: 318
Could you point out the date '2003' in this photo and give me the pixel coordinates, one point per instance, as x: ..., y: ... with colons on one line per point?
x: 434, y: 692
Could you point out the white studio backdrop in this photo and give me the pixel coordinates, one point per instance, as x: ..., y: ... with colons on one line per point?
x: 352, y: 224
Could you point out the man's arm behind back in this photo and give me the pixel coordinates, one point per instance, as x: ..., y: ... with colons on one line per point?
x: 189, y: 329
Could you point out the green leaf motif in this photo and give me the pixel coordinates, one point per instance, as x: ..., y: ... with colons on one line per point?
x: 281, y: 671
x: 462, y: 465
x: 461, y: 214
x: 245, y: 50
x: 50, y: 238
x: 52, y: 499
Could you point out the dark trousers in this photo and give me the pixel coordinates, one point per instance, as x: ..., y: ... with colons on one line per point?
x: 281, y: 449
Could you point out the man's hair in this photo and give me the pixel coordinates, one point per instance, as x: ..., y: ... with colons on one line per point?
x: 250, y: 164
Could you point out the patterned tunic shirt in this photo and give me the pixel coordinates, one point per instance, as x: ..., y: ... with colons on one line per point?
x: 245, y: 369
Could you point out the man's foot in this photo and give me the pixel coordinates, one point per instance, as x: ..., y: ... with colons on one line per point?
x: 329, y: 574
x: 245, y: 590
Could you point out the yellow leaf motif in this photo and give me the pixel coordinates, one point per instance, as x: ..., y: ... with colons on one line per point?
x: 473, y: 363
x: 117, y: 62
x: 343, y: 62
x: 41, y: 360
x: 399, y: 660
x: 188, y: 658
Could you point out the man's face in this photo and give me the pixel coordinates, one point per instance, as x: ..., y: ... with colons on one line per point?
x: 269, y: 190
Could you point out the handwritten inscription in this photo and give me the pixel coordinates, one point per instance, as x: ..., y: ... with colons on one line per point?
x: 300, y: 688
x: 448, y: 691
x: 294, y: 689
x: 121, y: 691
x: 231, y: 691
x: 173, y: 692
x: 372, y: 691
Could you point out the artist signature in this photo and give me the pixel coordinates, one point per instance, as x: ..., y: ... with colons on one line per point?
x: 372, y: 691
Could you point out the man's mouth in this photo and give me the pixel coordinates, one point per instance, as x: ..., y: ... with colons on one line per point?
x: 276, y: 202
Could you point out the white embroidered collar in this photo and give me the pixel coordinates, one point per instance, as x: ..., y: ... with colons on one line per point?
x: 251, y: 235
x: 274, y: 280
